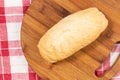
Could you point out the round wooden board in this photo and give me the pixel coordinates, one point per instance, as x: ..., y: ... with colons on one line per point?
x: 43, y: 14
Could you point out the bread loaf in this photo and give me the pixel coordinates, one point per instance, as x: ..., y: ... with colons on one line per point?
x: 71, y: 34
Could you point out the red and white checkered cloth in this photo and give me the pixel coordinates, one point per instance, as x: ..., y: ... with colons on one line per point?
x: 13, y: 65
x: 109, y: 61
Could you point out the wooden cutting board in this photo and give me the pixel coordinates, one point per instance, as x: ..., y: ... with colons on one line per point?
x: 43, y: 14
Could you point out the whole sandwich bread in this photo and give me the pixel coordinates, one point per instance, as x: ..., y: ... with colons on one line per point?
x: 71, y: 34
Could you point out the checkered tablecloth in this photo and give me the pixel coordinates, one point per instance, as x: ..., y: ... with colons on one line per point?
x: 13, y: 65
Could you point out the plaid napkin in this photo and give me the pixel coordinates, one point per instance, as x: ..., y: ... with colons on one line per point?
x: 13, y: 65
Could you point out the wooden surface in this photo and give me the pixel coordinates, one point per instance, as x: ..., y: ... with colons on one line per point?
x: 43, y: 14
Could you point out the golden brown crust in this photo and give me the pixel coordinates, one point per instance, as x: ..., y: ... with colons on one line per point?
x: 71, y: 34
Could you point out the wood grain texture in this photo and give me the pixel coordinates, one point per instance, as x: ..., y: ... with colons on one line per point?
x: 43, y: 14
